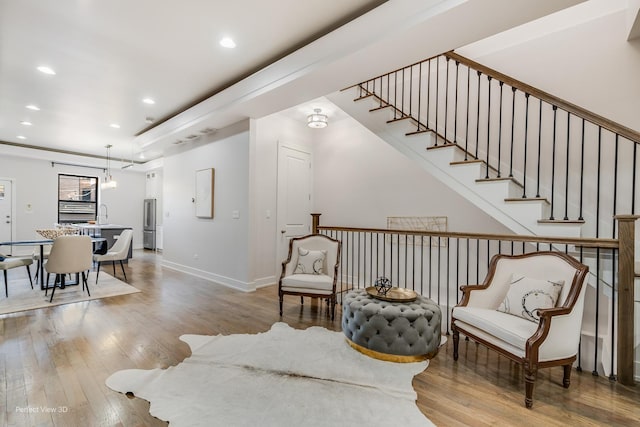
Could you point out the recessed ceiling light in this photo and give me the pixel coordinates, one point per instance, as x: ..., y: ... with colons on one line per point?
x: 115, y: 125
x: 33, y: 107
x: 26, y: 123
x: 227, y: 42
x: 46, y: 70
x: 21, y: 137
x: 148, y: 101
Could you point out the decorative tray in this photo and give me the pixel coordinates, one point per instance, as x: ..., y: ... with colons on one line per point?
x: 393, y: 295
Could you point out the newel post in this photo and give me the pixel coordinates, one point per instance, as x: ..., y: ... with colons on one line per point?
x: 626, y: 276
x: 315, y: 222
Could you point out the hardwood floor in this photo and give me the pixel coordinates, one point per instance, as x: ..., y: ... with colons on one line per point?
x: 54, y: 362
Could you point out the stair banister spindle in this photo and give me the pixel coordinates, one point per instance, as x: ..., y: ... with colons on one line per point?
x: 633, y: 179
x: 615, y: 187
x: 553, y: 160
x: 500, y: 129
x: 526, y: 139
x: 429, y: 96
x: 402, y: 107
x: 488, y: 124
x: 598, y: 182
x: 566, y: 176
x: 411, y: 91
x: 455, y: 115
x: 539, y: 149
x: 466, y: 131
x: 513, y: 120
x: 419, y: 94
x: 437, y: 104
x: 478, y: 117
x: 388, y: 89
x: 582, y: 172
x: 395, y: 95
x: 614, y: 350
x: 446, y: 101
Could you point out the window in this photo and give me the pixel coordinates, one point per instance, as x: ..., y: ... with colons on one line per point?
x: 77, y: 198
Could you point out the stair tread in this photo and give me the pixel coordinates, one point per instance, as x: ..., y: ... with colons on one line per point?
x: 418, y: 132
x: 561, y: 221
x: 399, y: 119
x: 435, y: 147
x: 360, y: 98
x: 382, y: 107
x: 526, y: 199
x: 465, y: 162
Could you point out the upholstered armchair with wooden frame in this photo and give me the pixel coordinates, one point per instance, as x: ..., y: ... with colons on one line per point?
x: 311, y: 269
x: 504, y: 312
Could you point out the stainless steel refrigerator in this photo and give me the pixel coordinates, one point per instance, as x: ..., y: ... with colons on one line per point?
x: 149, y: 224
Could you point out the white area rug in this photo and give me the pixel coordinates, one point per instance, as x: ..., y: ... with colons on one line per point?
x: 22, y: 297
x: 283, y: 377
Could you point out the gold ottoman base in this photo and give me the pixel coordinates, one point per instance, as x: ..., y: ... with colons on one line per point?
x: 391, y: 357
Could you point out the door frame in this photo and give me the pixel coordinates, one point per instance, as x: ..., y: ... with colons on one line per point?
x: 13, y: 205
x: 282, y: 247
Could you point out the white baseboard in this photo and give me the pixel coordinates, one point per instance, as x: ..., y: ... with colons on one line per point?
x: 265, y: 281
x: 221, y: 280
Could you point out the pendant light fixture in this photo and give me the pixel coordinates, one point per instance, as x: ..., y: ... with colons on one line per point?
x: 317, y: 120
x: 109, y: 182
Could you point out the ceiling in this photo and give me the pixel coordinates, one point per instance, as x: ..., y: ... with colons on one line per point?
x: 110, y: 55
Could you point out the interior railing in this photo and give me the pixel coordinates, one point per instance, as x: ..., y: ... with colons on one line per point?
x: 436, y: 264
x: 582, y: 164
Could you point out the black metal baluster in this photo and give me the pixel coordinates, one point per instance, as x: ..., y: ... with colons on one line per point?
x: 633, y: 179
x: 553, y: 160
x: 448, y: 242
x: 468, y: 261
x: 439, y: 264
x: 455, y: 115
x: 384, y: 255
x: 478, y: 117
x: 430, y: 264
x: 358, y: 262
x: 566, y: 177
x: 429, y: 96
x: 582, y: 172
x: 597, y: 308
x: 395, y: 96
x: 411, y: 91
x: 539, y: 149
x: 398, y: 256
x: 446, y: 102
x: 466, y: 131
x: 413, y: 262
x: 612, y: 376
x: 598, y: 182
x: 406, y: 259
x: 513, y: 121
x: 477, y: 261
x: 615, y: 188
x: 419, y: 94
x: 488, y: 123
x: 437, y: 96
x: 457, y: 270
x: 500, y: 129
x: 526, y: 140
x: 421, y: 264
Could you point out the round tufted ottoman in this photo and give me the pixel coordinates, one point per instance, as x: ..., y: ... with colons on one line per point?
x: 392, y: 331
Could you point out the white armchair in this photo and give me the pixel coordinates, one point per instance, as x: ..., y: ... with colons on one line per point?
x: 514, y: 312
x: 311, y: 269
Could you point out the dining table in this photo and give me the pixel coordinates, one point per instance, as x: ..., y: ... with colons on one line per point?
x: 42, y: 243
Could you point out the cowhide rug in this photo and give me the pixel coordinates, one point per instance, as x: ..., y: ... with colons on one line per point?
x: 283, y: 377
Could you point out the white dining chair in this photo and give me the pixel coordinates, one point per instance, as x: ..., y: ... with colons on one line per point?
x: 69, y: 255
x: 7, y: 263
x: 118, y: 252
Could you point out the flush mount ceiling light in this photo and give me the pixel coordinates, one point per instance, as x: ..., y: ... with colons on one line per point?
x: 21, y: 137
x: 33, y: 107
x: 26, y: 123
x: 46, y: 70
x: 148, y: 101
x: 109, y: 182
x: 115, y: 125
x: 317, y: 120
x: 227, y: 42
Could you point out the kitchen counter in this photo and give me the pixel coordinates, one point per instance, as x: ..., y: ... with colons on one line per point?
x: 109, y: 231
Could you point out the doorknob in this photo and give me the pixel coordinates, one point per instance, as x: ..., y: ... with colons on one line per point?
x: 283, y: 231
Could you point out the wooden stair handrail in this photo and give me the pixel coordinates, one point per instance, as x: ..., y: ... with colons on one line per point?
x: 596, y: 119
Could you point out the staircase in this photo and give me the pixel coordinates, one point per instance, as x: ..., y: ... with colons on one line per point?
x: 536, y: 163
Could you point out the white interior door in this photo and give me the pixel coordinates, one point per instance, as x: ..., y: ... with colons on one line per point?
x: 6, y: 219
x: 294, y: 196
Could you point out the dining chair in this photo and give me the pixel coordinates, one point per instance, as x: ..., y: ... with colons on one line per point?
x: 69, y: 254
x: 7, y: 263
x: 118, y: 252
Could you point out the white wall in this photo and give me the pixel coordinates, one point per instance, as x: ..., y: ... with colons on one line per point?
x: 36, y: 185
x: 360, y: 180
x: 217, y: 248
x: 589, y: 63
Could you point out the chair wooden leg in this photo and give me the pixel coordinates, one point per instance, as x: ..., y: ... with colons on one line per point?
x: 29, y: 274
x: 566, y: 380
x: 456, y: 342
x: 53, y: 291
x: 46, y: 289
x: 529, y: 381
x: 98, y: 272
x: 123, y: 272
x: 6, y: 289
x: 301, y: 300
x: 281, y: 298
x: 113, y: 264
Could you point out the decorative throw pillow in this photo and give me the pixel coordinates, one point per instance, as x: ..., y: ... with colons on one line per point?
x: 310, y: 262
x: 526, y: 296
